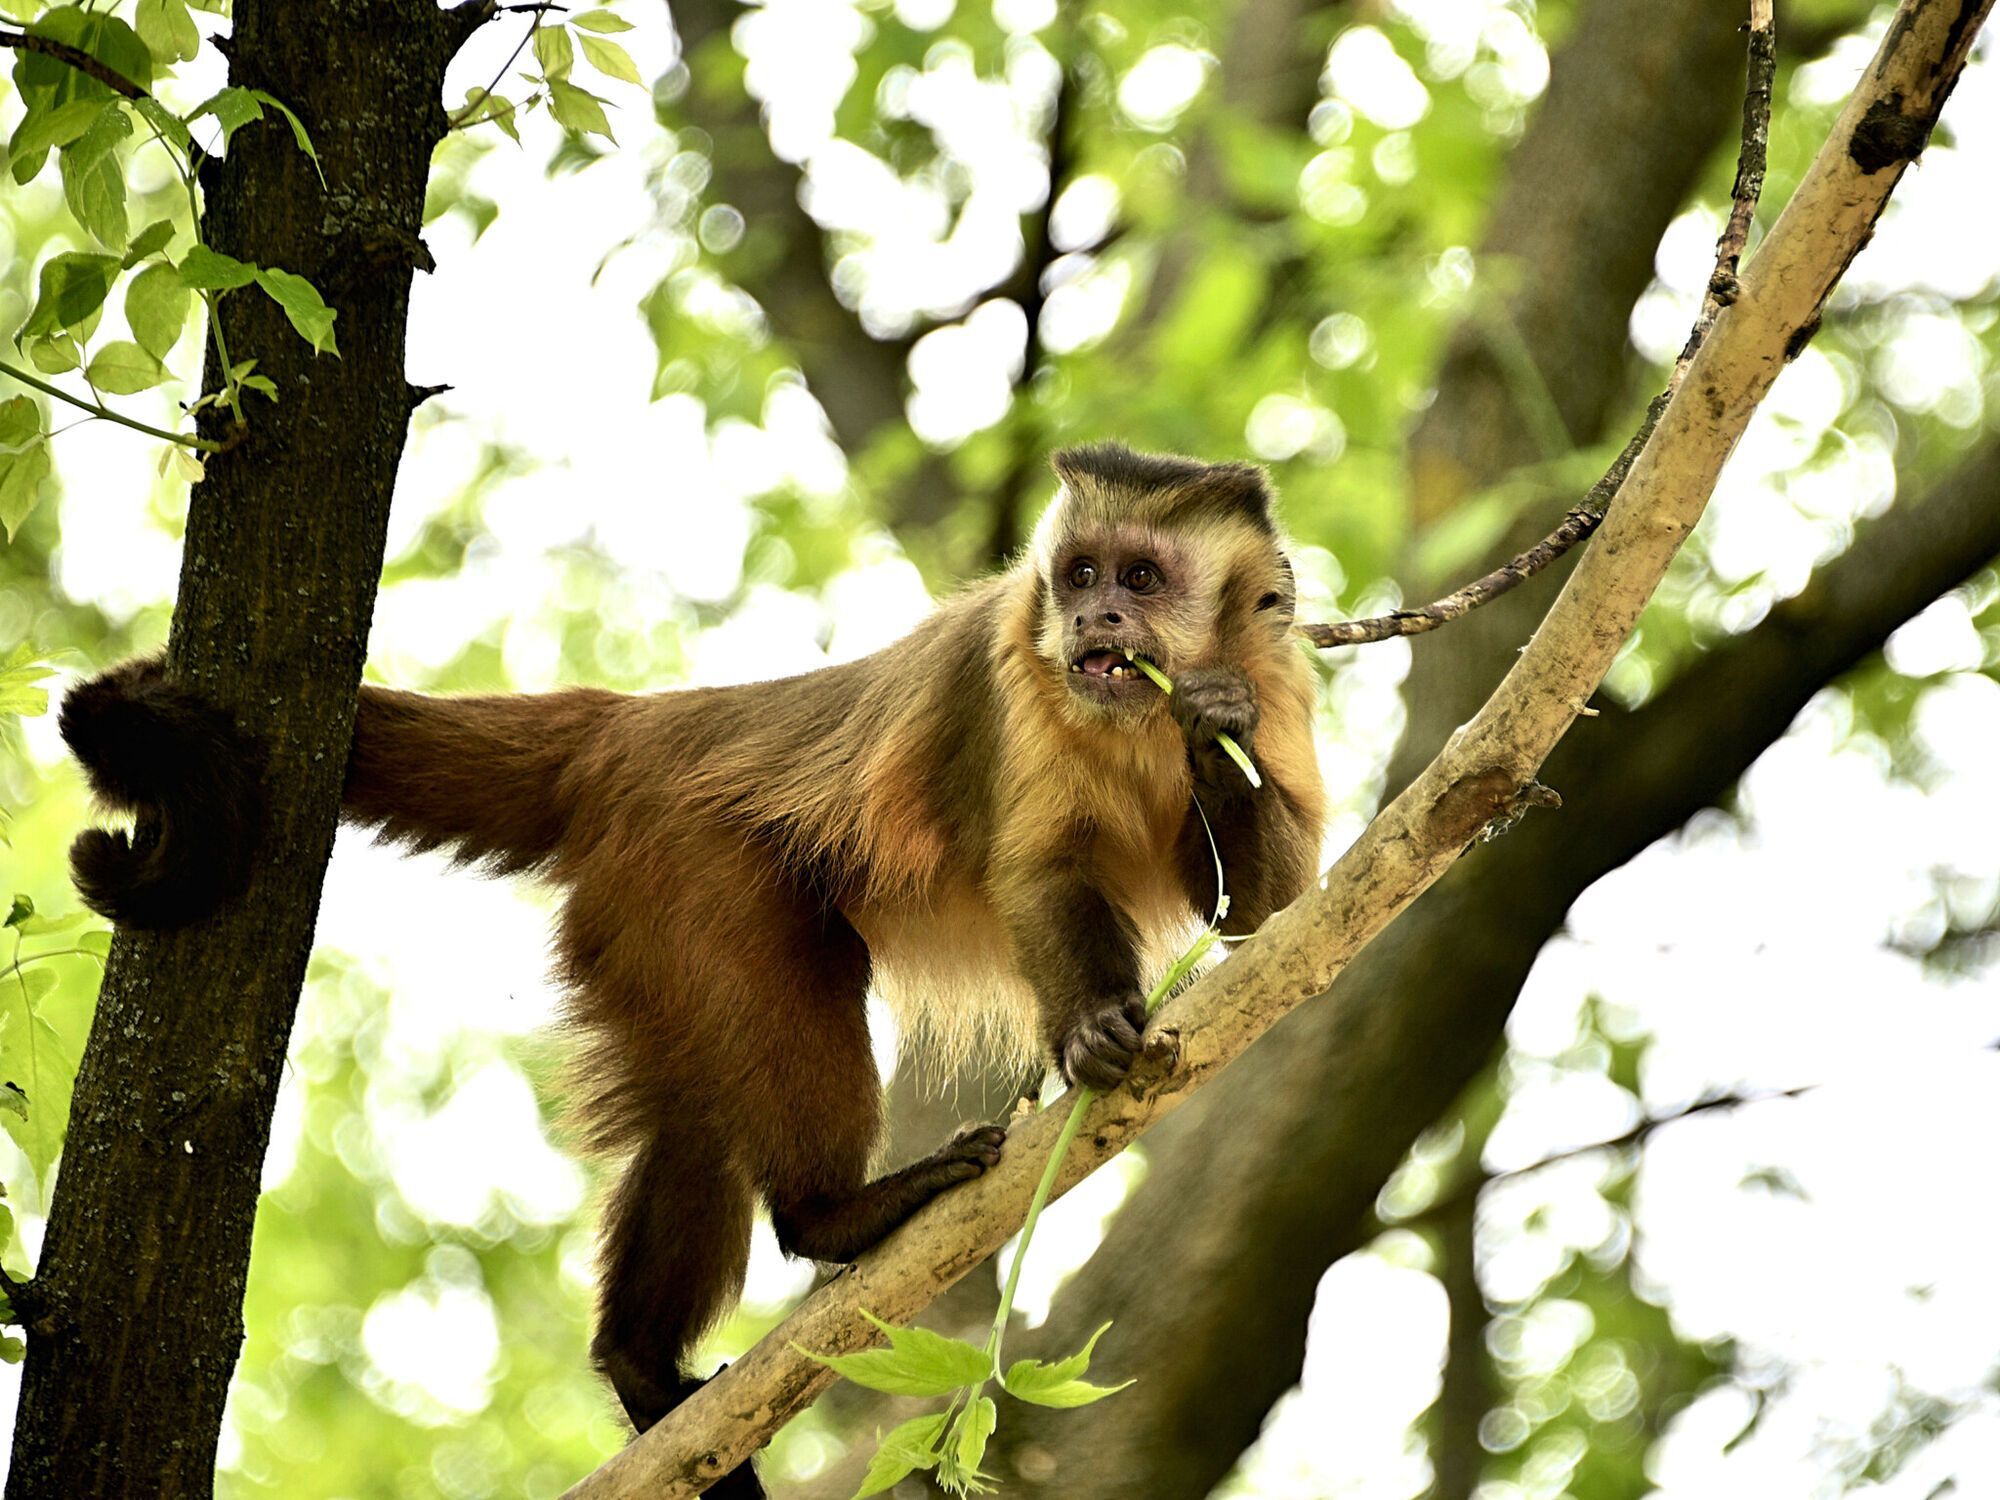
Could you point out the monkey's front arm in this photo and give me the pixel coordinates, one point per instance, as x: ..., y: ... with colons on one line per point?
x: 1079, y: 953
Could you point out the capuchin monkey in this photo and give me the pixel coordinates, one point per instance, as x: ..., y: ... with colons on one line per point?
x: 992, y: 822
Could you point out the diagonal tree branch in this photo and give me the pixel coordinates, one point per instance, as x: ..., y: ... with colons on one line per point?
x: 1479, y: 776
x: 76, y: 57
x: 1639, y: 98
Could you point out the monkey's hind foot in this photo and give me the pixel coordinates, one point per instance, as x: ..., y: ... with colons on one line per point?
x: 192, y: 781
x: 646, y: 1402
x: 839, y: 1229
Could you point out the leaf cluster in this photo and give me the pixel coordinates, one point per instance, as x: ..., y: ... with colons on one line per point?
x: 92, y: 132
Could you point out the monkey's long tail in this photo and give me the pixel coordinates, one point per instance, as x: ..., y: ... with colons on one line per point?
x: 491, y: 779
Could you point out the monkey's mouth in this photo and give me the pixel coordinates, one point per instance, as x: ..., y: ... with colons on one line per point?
x: 1105, y: 662
x: 1107, y: 676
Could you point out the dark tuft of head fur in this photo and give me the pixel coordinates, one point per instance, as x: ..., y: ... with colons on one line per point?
x: 1183, y: 490
x: 193, y: 782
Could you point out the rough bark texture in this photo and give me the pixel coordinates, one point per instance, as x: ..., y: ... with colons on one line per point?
x: 141, y: 1281
x: 1639, y: 100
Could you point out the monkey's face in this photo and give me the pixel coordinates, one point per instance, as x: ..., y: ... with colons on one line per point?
x: 1113, y: 594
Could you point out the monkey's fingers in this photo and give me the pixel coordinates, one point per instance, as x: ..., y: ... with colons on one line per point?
x: 1100, y: 1051
x: 1212, y: 701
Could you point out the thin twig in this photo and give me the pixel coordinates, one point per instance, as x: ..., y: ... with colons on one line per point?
x: 98, y: 409
x: 76, y: 57
x: 1584, y: 517
x: 468, y: 114
x: 1470, y: 1189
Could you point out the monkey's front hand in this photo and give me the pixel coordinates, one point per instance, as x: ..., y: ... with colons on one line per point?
x: 1208, y: 701
x: 1101, y: 1048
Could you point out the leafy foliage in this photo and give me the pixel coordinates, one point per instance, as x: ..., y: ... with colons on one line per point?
x: 1242, y: 273
x: 95, y: 132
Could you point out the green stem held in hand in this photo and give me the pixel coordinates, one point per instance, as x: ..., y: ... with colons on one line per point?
x: 1183, y: 966
x: 1228, y: 742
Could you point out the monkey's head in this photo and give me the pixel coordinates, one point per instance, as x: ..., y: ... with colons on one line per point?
x: 1166, y: 558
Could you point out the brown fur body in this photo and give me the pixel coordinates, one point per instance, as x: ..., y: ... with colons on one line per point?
x: 1007, y: 853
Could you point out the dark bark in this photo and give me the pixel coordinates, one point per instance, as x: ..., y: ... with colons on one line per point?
x: 1639, y: 100
x: 1468, y: 1389
x: 139, y: 1294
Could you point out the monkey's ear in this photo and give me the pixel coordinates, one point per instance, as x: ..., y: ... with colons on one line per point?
x: 193, y: 782
x: 1285, y: 598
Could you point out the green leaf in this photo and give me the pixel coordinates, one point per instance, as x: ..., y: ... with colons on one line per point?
x: 168, y: 30
x: 553, y: 51
x: 123, y: 368
x: 149, y: 241
x: 975, y: 1427
x: 611, y: 59
x: 41, y: 129
x: 206, y: 270
x: 599, y: 20
x: 49, y: 81
x: 53, y: 353
x: 20, y: 697
x: 171, y: 126
x: 35, y: 1061
x: 23, y: 907
x: 261, y: 383
x: 579, y: 110
x: 13, y: 1101
x: 94, y: 177
x: 481, y: 106
x: 25, y: 169
x: 12, y: 1350
x: 20, y: 428
x: 97, y: 942
x: 1056, y: 1384
x: 303, y: 140
x: 908, y: 1447
x: 21, y: 476
x: 302, y: 304
x: 73, y: 286
x: 37, y: 925
x: 156, y: 305
x: 27, y: 987
x: 232, y: 107
x: 916, y: 1363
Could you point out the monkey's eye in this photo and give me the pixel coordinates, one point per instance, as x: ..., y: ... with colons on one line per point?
x: 1142, y: 578
x: 1082, y: 575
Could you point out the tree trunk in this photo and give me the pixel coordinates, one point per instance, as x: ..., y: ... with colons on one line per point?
x: 136, y: 1309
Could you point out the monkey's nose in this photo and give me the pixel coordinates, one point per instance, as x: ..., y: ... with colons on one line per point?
x: 1112, y: 619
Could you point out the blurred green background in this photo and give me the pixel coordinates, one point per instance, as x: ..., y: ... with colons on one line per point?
x: 739, y: 393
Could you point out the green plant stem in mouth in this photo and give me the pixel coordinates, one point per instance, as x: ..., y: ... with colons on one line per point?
x: 1228, y: 742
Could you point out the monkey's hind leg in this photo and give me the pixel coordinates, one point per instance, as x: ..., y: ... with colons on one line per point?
x: 839, y: 1226
x: 810, y: 1139
x: 191, y: 778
